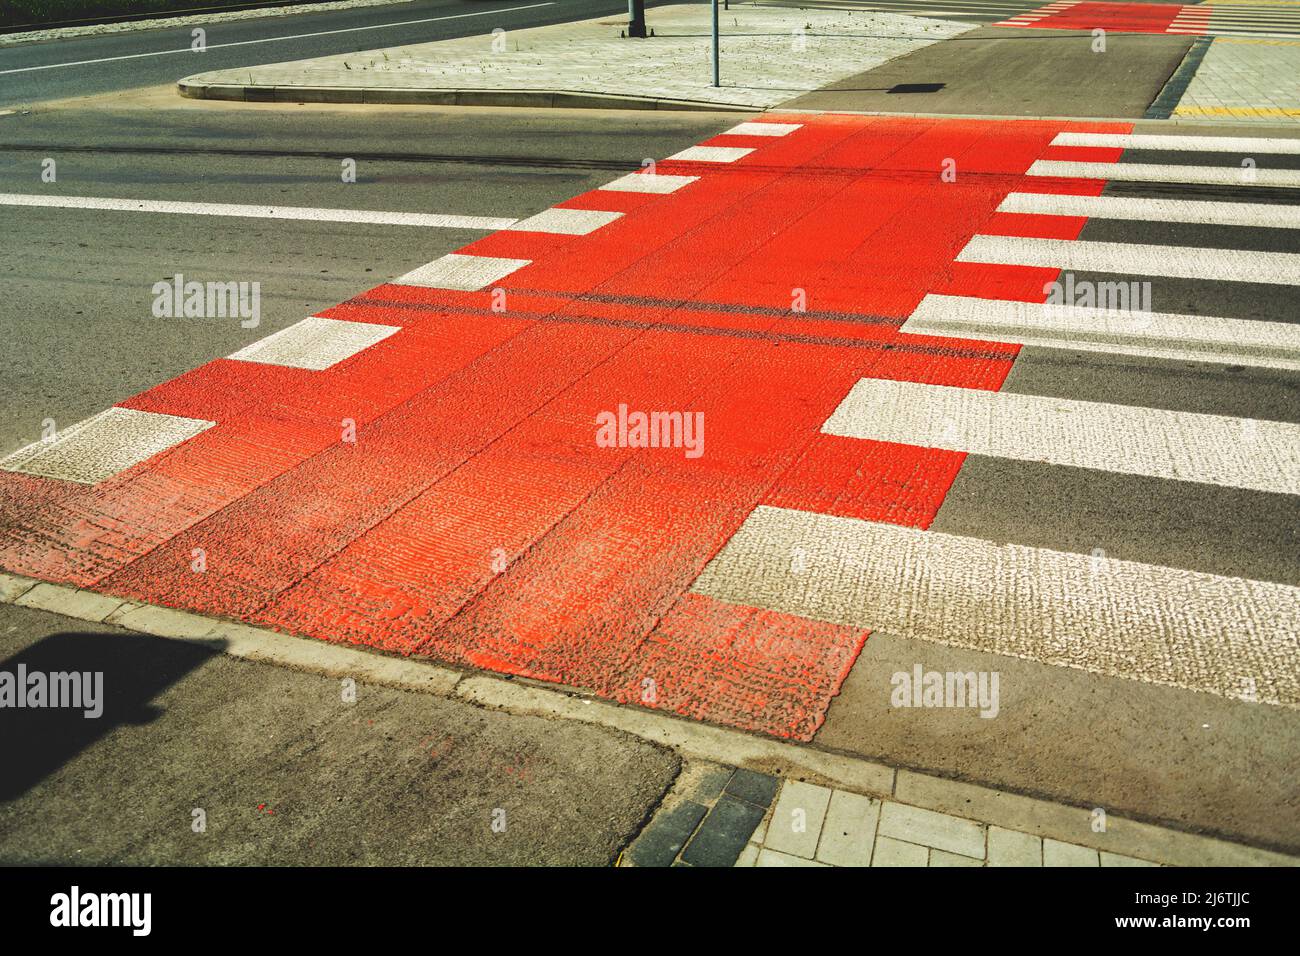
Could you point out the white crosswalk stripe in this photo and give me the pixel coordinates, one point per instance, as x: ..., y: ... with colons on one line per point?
x: 1191, y: 338
x: 1145, y: 622
x: 1140, y: 209
x: 1182, y: 446
x: 1175, y: 262
x: 1214, y: 144
x: 1167, y: 173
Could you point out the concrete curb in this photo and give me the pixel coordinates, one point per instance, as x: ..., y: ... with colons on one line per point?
x: 574, y: 99
x: 691, y: 739
x: 1163, y: 106
x: 398, y: 96
x: 1000, y: 117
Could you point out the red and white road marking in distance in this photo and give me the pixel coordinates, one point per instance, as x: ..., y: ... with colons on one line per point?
x: 476, y: 521
x: 1171, y: 18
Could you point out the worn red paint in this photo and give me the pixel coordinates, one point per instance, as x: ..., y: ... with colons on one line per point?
x: 1112, y: 17
x: 475, y: 430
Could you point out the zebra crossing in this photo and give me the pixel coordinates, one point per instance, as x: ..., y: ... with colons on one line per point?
x: 1186, y: 625
x: 1044, y: 408
x: 1258, y: 199
x: 1265, y: 21
x: 1238, y: 20
x: 1207, y: 19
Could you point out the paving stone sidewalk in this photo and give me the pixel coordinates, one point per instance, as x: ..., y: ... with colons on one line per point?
x: 723, y: 816
x: 1255, y: 80
x: 769, y: 55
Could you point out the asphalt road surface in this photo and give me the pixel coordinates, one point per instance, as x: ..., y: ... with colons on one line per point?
x: 81, y: 66
x: 85, y: 278
x: 909, y: 459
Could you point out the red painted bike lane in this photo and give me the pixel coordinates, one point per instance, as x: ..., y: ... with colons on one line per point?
x: 475, y: 520
x: 1114, y: 17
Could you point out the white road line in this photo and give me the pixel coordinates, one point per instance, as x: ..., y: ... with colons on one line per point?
x: 1281, y: 17
x: 242, y: 211
x: 1132, y: 258
x: 315, y: 343
x: 1166, y: 173
x: 1214, y: 31
x: 762, y: 129
x: 1209, y: 144
x: 103, y: 445
x: 1263, y: 215
x: 463, y: 273
x: 565, y: 222
x: 711, y: 154
x: 1191, y: 338
x: 1127, y: 439
x: 1203, y: 632
x: 299, y: 36
x: 648, y: 183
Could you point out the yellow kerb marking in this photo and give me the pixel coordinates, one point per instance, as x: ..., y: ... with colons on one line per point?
x: 1249, y: 111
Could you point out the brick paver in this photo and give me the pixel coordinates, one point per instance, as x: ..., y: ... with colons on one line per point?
x: 848, y: 829
x: 1246, y: 79
x: 1013, y: 848
x: 721, y: 816
x: 797, y: 819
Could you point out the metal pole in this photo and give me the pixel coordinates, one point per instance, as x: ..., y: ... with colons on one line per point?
x: 715, y: 43
x: 636, y: 18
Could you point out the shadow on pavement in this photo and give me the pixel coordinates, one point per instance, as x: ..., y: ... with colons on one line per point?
x: 132, y: 669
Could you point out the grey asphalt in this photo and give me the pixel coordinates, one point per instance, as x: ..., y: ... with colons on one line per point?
x: 80, y: 66
x: 1000, y: 71
x: 75, y: 287
x: 77, y: 283
x: 286, y: 771
x: 1158, y: 754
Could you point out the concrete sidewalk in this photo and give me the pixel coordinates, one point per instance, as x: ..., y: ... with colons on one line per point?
x: 769, y: 56
x: 301, y: 770
x: 1244, y: 79
x: 809, y: 59
x: 995, y: 71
